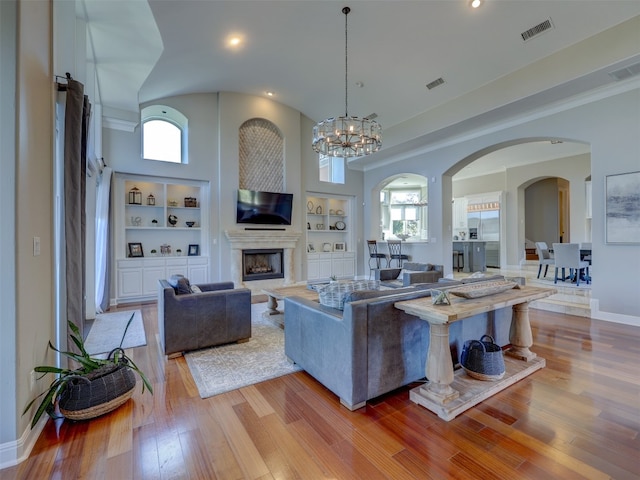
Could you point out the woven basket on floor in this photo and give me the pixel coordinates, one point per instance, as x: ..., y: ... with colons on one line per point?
x: 99, y: 392
x: 482, y: 359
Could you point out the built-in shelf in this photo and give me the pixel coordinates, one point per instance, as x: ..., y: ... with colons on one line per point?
x: 146, y: 226
x: 330, y: 247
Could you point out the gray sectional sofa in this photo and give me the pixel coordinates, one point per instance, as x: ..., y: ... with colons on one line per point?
x: 371, y: 348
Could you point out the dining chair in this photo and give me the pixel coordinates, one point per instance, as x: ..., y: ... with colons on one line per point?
x: 544, y: 257
x: 395, y: 253
x: 375, y: 255
x: 585, y: 252
x: 567, y: 255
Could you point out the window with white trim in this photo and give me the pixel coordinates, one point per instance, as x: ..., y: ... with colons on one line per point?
x: 331, y: 169
x: 164, y: 134
x: 404, y: 212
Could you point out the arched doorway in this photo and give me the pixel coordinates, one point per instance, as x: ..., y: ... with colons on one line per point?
x: 547, y: 212
x: 507, y: 168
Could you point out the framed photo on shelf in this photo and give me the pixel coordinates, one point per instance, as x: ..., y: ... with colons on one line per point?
x: 622, y: 211
x: 135, y: 250
x: 311, y: 248
x: 194, y: 250
x: 339, y: 247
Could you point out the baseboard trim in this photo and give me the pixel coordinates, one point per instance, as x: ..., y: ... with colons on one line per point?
x: 612, y: 317
x: 15, y: 452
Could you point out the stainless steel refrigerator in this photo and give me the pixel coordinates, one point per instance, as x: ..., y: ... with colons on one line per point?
x: 485, y: 226
x: 486, y: 223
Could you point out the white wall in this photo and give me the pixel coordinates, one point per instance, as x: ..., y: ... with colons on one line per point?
x: 610, y: 124
x: 26, y: 318
x: 214, y: 122
x: 8, y: 380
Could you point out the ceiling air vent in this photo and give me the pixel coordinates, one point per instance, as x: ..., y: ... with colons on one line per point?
x: 435, y: 83
x: 626, y: 72
x: 537, y: 30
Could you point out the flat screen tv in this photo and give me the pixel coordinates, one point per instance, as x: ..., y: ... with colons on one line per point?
x: 264, y: 208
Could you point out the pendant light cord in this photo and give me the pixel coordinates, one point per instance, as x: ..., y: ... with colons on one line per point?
x: 346, y: 11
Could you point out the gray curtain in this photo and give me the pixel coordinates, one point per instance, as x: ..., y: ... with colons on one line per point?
x: 77, y: 112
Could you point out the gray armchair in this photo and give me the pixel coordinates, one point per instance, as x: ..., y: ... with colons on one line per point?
x: 410, y: 273
x: 218, y: 314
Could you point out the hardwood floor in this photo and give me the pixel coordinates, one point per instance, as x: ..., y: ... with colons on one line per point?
x: 577, y: 418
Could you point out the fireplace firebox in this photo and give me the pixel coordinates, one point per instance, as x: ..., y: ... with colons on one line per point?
x: 262, y: 264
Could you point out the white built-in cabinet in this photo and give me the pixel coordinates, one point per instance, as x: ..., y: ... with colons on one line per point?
x: 459, y: 214
x: 171, y: 215
x: 330, y: 241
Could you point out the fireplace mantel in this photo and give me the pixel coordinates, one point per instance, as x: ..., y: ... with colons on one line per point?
x: 267, y: 238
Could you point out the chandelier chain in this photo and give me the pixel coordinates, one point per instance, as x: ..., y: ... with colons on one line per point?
x: 346, y: 11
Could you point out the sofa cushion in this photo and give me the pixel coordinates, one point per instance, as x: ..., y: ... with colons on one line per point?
x: 183, y: 286
x: 415, y: 267
x: 195, y: 289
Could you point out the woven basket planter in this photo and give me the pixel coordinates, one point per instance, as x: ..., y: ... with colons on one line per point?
x: 99, y: 392
x: 483, y: 359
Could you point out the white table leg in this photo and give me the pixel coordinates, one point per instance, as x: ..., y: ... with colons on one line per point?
x: 520, y: 334
x: 439, y: 368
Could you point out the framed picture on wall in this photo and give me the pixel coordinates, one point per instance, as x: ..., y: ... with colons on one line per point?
x: 622, y: 208
x: 135, y: 250
x: 194, y: 250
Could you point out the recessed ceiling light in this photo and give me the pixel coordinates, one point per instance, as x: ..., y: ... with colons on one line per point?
x: 269, y: 94
x: 475, y: 3
x: 234, y: 41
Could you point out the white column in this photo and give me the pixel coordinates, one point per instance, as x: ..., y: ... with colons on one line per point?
x: 289, y: 275
x: 236, y: 268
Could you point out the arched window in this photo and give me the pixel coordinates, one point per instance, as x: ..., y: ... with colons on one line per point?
x: 164, y: 134
x: 404, y: 209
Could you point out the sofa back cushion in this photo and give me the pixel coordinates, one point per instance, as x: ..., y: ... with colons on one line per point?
x: 414, y: 267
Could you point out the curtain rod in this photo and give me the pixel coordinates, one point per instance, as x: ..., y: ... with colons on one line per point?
x: 61, y: 86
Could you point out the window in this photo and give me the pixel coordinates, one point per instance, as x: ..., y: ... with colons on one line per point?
x: 164, y: 134
x: 403, y: 208
x: 331, y: 169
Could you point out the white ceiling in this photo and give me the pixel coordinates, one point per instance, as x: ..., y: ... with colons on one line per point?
x: 145, y: 51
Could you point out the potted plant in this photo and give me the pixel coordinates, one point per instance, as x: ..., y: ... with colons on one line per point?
x: 154, y: 252
x: 178, y: 252
x: 96, y: 387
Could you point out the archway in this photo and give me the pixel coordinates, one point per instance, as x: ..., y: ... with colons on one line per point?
x: 506, y: 169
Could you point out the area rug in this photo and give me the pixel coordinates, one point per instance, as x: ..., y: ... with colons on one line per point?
x: 221, y: 369
x: 108, y: 328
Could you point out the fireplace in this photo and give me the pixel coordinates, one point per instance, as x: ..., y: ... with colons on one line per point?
x: 262, y: 264
x: 268, y: 239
